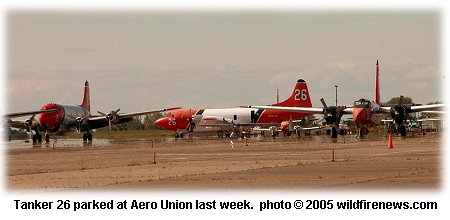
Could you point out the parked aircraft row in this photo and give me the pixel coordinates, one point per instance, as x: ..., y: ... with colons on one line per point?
x: 58, y: 118
x: 231, y: 121
x: 364, y: 111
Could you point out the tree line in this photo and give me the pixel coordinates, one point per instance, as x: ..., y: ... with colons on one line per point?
x: 145, y: 122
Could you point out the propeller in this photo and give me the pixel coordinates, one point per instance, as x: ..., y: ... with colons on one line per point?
x: 29, y: 124
x: 332, y: 114
x: 81, y: 121
x: 398, y: 112
x: 191, y: 119
x: 111, y: 117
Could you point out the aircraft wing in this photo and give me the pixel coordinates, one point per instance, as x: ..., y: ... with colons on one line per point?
x: 419, y: 108
x: 264, y: 129
x: 436, y: 112
x: 434, y: 107
x: 16, y: 124
x: 135, y: 114
x: 311, y: 110
x: 430, y: 119
x: 20, y: 114
x: 315, y: 128
x: 102, y: 121
x: 422, y: 119
x: 301, y: 128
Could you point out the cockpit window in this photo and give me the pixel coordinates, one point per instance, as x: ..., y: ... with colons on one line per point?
x: 361, y: 103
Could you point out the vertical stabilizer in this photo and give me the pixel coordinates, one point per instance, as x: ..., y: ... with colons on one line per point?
x: 376, y: 98
x: 86, y: 103
x: 299, y: 97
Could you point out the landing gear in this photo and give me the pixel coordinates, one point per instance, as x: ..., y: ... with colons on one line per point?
x: 47, y: 137
x: 398, y: 129
x: 402, y: 130
x: 362, y: 131
x: 333, y: 132
x: 37, y: 138
x: 176, y: 135
x: 297, y: 131
x: 87, y: 137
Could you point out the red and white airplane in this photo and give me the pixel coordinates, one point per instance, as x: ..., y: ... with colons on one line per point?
x: 364, y: 112
x: 58, y: 118
x: 232, y: 120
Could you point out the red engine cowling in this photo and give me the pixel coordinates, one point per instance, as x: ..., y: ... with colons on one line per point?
x: 51, y: 120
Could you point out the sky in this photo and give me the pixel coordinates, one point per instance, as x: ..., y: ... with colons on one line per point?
x: 152, y: 58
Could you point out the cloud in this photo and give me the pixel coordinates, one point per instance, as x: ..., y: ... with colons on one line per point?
x: 423, y: 72
x: 343, y: 66
x: 402, y: 64
x: 292, y: 76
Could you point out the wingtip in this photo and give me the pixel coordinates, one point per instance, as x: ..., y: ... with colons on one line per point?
x: 173, y: 108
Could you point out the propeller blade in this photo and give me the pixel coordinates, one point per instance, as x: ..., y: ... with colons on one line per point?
x: 30, y: 126
x: 101, y: 113
x: 400, y: 100
x: 110, y: 126
x: 31, y: 132
x: 323, y: 103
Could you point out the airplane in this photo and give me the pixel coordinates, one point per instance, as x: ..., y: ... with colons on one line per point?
x: 231, y: 120
x: 59, y: 118
x: 288, y: 128
x: 364, y: 111
x: 413, y: 124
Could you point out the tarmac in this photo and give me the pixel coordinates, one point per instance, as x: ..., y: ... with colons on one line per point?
x: 305, y: 163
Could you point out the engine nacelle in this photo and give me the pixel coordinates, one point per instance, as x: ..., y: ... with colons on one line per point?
x: 31, y: 124
x: 398, y: 113
x: 196, y: 118
x: 82, y: 122
x: 112, y: 117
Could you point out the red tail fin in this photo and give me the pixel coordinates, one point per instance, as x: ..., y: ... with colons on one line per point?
x: 86, y: 103
x: 376, y: 98
x: 299, y: 98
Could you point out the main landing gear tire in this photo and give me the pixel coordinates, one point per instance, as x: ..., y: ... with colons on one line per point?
x: 333, y: 132
x: 87, y: 137
x: 47, y: 137
x: 402, y: 129
x: 37, y: 138
x: 176, y: 135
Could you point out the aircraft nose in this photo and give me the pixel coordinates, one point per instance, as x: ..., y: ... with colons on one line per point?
x: 361, y: 116
x: 161, y: 122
